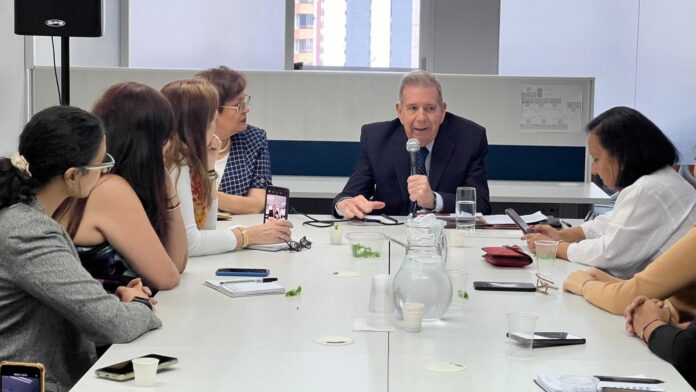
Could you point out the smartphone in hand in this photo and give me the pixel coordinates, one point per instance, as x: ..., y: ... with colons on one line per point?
x: 277, y: 203
x: 519, y: 222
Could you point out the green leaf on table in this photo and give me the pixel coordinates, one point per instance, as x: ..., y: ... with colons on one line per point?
x: 295, y: 292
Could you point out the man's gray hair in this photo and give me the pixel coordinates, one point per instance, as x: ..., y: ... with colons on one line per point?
x: 421, y: 79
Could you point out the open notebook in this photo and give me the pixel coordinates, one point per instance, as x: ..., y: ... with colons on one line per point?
x: 551, y: 383
x: 243, y: 289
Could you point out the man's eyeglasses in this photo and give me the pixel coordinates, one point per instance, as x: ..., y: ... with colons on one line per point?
x: 544, y: 283
x: 240, y: 106
x: 105, y: 166
x: 297, y: 246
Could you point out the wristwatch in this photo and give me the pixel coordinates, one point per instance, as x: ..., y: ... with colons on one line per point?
x: 143, y: 301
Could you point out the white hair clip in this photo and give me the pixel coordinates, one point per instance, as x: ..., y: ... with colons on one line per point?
x: 20, y: 163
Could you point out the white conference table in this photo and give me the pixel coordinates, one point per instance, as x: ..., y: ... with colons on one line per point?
x: 266, y: 343
x: 314, y: 187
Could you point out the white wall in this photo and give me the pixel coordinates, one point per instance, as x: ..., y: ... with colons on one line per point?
x: 12, y: 76
x: 666, y: 74
x: 206, y: 33
x: 465, y: 36
x: 573, y: 38
x: 641, y: 54
x: 332, y: 106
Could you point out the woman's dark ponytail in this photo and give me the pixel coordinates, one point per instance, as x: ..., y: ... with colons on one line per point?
x: 15, y: 186
x: 54, y: 140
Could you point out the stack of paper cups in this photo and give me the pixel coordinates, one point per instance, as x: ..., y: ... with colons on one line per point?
x: 380, y: 310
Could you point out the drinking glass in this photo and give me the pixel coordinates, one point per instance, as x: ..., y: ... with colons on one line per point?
x: 545, y: 257
x: 380, y: 309
x: 520, y: 334
x: 465, y: 209
x: 459, y: 293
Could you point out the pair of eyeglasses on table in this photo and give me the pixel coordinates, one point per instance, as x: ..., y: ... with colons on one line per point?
x: 385, y: 220
x: 544, y: 283
x: 296, y: 246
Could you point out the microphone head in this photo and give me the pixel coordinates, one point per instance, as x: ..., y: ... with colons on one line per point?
x: 412, y: 145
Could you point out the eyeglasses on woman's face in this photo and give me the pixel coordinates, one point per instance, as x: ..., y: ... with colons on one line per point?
x: 104, y: 166
x: 240, y: 106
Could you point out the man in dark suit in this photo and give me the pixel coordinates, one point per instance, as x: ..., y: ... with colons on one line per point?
x: 451, y: 155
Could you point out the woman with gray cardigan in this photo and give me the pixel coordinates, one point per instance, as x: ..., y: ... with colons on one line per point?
x: 51, y: 309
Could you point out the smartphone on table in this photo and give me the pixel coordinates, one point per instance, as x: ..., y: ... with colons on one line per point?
x: 124, y: 370
x: 22, y: 376
x: 504, y: 286
x: 262, y: 272
x: 549, y: 339
x: 517, y: 219
x: 277, y: 203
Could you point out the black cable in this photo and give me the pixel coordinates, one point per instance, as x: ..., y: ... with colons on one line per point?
x: 314, y: 222
x: 55, y: 70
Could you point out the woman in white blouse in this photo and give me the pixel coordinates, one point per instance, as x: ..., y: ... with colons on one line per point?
x: 190, y: 159
x: 655, y: 206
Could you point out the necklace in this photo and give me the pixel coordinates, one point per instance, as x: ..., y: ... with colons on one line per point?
x: 226, y: 147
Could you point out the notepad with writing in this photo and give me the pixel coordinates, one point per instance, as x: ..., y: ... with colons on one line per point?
x: 243, y: 289
x: 551, y: 383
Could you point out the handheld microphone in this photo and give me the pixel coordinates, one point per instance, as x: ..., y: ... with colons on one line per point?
x: 412, y: 146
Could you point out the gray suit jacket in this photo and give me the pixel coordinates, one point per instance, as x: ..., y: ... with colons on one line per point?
x: 51, y: 309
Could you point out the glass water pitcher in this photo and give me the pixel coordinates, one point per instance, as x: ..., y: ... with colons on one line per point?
x: 423, y: 277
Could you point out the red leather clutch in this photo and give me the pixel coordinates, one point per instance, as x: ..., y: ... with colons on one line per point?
x: 512, y: 256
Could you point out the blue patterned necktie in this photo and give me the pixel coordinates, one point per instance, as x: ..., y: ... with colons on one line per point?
x: 420, y: 161
x: 420, y: 169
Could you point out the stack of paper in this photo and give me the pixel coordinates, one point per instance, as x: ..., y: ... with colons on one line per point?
x: 506, y: 220
x: 235, y: 288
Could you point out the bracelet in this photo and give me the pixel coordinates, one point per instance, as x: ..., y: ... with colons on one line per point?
x: 642, y: 336
x: 143, y: 301
x: 245, y: 236
x: 212, y: 175
x: 174, y: 207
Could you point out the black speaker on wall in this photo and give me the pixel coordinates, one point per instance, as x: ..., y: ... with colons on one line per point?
x: 59, y: 18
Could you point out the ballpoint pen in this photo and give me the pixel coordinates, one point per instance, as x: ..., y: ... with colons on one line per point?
x: 639, y: 380
x: 259, y: 280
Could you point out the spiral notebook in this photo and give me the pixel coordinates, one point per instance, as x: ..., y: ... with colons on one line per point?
x: 551, y: 383
x: 242, y: 289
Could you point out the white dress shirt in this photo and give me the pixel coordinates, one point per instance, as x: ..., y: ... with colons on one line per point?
x: 200, y: 242
x: 649, y: 216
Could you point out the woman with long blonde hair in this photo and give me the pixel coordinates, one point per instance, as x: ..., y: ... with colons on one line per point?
x: 190, y: 160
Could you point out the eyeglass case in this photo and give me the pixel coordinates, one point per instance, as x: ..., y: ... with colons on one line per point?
x: 513, y: 256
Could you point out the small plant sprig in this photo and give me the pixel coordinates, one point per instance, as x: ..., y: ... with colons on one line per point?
x: 363, y: 251
x: 293, y: 293
x: 463, y: 294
